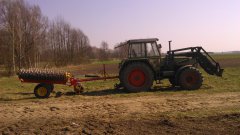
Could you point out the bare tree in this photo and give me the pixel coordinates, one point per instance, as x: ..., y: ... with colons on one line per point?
x: 69, y: 45
x: 25, y: 26
x: 104, y: 51
x: 27, y: 38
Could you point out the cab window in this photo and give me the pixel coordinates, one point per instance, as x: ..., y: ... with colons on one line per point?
x: 152, y: 49
x: 137, y: 50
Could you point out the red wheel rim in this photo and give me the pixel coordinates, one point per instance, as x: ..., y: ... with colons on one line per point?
x: 137, y: 78
x: 191, y: 78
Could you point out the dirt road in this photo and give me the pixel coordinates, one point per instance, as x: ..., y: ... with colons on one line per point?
x: 148, y: 114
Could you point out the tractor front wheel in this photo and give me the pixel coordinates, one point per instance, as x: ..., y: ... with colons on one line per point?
x: 137, y: 77
x: 190, y: 79
x: 43, y: 90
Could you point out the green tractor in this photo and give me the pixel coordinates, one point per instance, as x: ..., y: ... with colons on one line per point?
x: 144, y: 64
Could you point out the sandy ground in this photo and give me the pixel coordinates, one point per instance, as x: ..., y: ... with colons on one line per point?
x: 148, y: 114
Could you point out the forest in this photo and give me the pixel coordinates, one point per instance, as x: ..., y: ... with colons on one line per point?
x: 29, y: 39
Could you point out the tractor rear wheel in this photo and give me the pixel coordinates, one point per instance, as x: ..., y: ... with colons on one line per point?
x: 42, y: 90
x: 137, y: 77
x: 190, y: 79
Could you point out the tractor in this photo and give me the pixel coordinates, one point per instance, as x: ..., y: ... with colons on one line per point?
x: 144, y: 64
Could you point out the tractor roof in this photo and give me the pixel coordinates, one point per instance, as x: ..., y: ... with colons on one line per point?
x: 146, y: 40
x: 142, y: 40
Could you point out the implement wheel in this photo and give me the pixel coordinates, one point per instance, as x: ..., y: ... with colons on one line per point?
x: 190, y: 79
x: 137, y: 77
x: 43, y: 90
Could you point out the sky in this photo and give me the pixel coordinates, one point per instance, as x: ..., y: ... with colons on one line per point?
x: 213, y: 24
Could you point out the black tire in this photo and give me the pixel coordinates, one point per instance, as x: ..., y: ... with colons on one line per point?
x: 136, y: 77
x: 190, y: 78
x: 42, y: 90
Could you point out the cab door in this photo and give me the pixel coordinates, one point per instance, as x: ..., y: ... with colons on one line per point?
x: 154, y: 56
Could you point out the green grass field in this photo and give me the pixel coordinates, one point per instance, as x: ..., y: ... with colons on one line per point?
x: 12, y: 89
x: 226, y: 56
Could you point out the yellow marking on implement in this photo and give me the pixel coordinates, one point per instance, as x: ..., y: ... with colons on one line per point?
x: 68, y: 75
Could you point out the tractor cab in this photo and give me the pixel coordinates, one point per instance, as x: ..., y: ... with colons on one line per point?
x: 141, y: 48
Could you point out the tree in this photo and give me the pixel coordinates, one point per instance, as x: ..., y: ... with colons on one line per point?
x: 28, y: 38
x: 104, y: 51
x: 69, y: 45
x: 24, y: 26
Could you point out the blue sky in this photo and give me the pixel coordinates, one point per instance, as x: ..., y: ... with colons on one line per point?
x: 213, y: 24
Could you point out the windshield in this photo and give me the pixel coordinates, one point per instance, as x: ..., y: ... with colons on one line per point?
x: 152, y: 49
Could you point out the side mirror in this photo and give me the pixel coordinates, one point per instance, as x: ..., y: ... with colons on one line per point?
x: 159, y: 46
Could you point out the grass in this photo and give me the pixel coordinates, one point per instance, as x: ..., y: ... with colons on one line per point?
x: 226, y: 56
x: 12, y: 89
x: 114, y: 61
x: 211, y: 84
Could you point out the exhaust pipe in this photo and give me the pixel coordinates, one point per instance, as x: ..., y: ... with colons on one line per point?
x: 169, y: 43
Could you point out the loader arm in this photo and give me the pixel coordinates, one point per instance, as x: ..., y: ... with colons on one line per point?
x: 202, y: 57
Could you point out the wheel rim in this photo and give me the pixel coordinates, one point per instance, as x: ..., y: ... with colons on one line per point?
x: 191, y: 78
x: 137, y: 78
x: 42, y: 91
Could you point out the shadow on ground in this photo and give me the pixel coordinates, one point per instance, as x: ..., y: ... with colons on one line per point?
x: 104, y: 92
x: 21, y: 93
x: 123, y: 91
